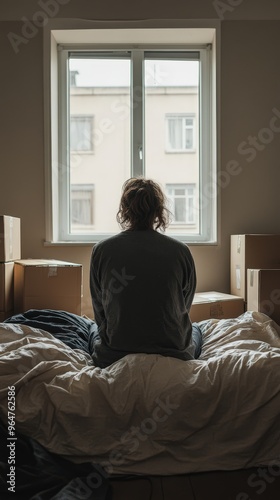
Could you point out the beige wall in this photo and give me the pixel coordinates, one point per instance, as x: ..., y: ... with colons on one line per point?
x: 250, y: 83
x: 191, y: 9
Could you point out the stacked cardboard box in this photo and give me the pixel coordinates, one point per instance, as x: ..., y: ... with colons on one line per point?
x: 47, y: 284
x: 10, y: 250
x: 207, y: 305
x: 254, y: 280
x: 255, y: 272
x: 34, y: 283
x: 252, y: 251
x: 263, y: 292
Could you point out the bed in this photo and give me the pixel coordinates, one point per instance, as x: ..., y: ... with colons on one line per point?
x: 148, y: 426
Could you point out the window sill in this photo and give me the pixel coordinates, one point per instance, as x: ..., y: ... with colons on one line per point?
x: 180, y: 151
x: 69, y: 243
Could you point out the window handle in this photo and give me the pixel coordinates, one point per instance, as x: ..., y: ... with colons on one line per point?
x: 140, y: 152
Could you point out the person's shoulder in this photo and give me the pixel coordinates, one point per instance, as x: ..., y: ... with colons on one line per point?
x: 109, y: 242
x: 173, y: 242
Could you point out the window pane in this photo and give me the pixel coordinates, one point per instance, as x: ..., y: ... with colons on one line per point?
x: 190, y: 210
x: 181, y: 203
x: 82, y: 206
x: 179, y: 192
x: 188, y: 138
x: 172, y: 124
x: 81, y: 133
x: 81, y: 212
x: 180, y: 210
x: 175, y: 133
x: 188, y: 121
x: 108, y: 135
x: 99, y: 139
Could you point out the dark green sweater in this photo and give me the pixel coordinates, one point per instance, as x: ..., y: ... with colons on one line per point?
x: 142, y: 285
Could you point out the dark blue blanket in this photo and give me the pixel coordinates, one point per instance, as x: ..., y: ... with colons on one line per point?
x: 41, y: 475
x: 71, y: 329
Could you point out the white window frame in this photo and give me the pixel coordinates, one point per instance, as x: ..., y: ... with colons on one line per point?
x: 172, y: 38
x: 172, y: 196
x: 182, y: 116
x: 89, y: 119
x: 88, y: 188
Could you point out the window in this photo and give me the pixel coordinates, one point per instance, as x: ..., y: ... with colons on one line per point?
x: 82, y: 215
x: 81, y: 133
x: 126, y: 101
x: 182, y: 203
x: 180, y: 133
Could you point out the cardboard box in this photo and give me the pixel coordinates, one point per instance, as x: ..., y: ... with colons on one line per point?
x: 47, y: 284
x: 207, y: 305
x: 10, y: 242
x: 251, y: 251
x: 6, y: 286
x: 263, y: 291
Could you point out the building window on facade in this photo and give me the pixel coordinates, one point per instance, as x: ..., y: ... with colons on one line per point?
x: 81, y: 136
x: 182, y: 202
x: 82, y: 206
x: 180, y: 133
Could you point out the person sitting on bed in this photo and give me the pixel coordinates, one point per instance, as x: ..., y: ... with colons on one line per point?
x: 142, y: 283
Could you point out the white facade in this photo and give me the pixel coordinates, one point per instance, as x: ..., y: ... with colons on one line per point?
x: 101, y: 157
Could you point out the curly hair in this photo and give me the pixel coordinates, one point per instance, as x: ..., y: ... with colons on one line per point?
x: 143, y: 205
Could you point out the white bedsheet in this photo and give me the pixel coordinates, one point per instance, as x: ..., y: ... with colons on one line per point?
x: 150, y: 414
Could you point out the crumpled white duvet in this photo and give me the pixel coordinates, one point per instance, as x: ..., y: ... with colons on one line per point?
x: 149, y: 414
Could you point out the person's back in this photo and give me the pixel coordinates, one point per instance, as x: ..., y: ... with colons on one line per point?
x: 142, y: 285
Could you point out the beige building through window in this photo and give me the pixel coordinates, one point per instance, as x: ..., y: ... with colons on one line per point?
x: 100, y: 131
